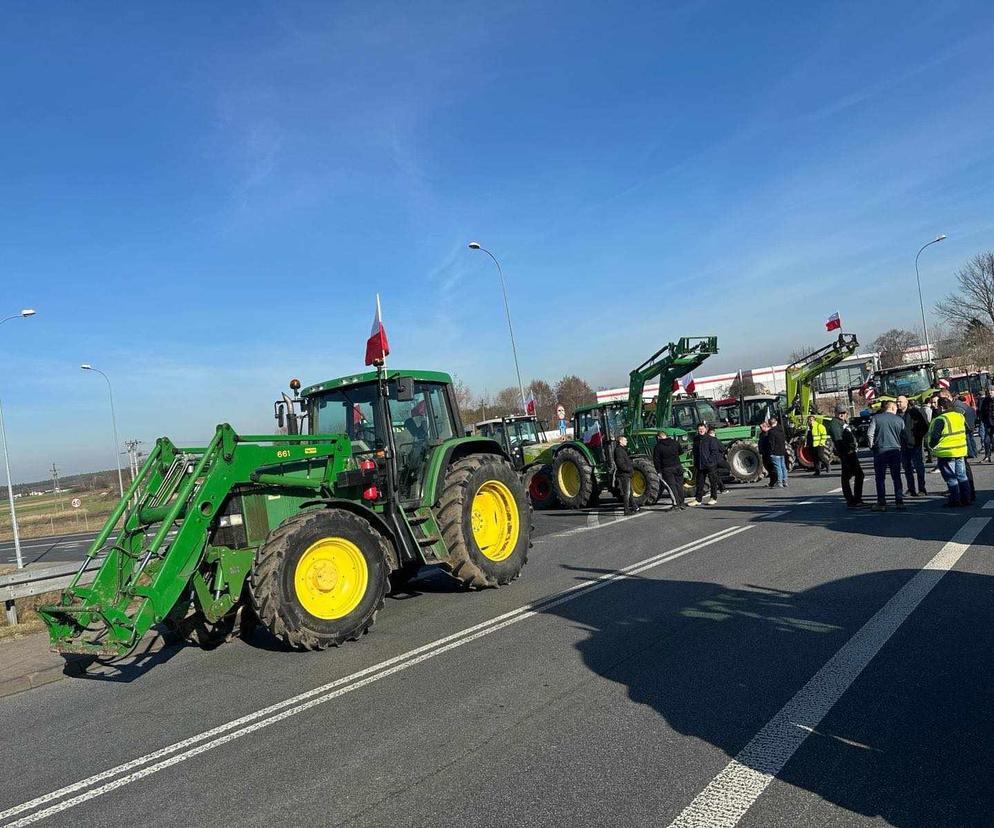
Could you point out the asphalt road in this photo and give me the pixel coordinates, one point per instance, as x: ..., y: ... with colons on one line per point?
x: 776, y: 660
x: 53, y: 548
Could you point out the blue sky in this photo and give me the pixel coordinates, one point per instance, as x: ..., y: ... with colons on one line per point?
x: 203, y: 200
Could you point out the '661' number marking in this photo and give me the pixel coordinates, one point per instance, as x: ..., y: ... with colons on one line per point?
x: 283, y: 453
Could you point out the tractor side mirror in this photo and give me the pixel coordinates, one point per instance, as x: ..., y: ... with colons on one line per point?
x: 405, y: 389
x: 280, y: 416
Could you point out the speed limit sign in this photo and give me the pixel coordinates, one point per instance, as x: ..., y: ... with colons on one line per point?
x: 560, y: 412
x: 76, y: 503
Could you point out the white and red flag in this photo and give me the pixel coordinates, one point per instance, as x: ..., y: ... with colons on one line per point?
x: 677, y: 386
x: 834, y: 322
x: 377, y: 347
x: 530, y: 405
x: 690, y: 385
x: 868, y: 391
x: 943, y: 383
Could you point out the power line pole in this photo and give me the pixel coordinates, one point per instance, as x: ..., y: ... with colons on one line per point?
x: 55, y: 486
x: 133, y: 457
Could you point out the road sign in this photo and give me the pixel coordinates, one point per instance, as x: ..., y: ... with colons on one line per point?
x: 560, y: 413
x: 76, y: 503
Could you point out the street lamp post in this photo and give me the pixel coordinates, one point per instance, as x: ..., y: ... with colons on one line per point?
x: 6, y: 462
x: 473, y: 245
x: 113, y: 418
x: 928, y: 347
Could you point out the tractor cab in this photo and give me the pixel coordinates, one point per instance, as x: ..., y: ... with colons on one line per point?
x: 520, y: 436
x: 913, y: 380
x: 403, y: 419
x: 758, y: 408
x: 688, y: 414
x: 598, y: 426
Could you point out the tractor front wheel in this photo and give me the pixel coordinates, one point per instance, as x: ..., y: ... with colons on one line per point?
x: 538, y: 479
x: 572, y: 478
x: 645, y: 482
x: 319, y: 578
x: 485, y: 520
x: 744, y: 461
x: 804, y: 455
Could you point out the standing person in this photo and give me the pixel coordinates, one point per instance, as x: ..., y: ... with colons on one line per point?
x: 947, y: 439
x: 778, y: 451
x: 764, y: 452
x: 707, y: 450
x: 915, y: 431
x: 724, y: 470
x: 846, y: 447
x: 886, y: 437
x: 666, y: 459
x: 986, y: 417
x: 623, y: 473
x: 970, y: 416
x: 817, y: 442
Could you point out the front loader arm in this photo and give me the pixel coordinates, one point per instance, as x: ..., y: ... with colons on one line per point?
x: 800, y: 375
x: 668, y: 364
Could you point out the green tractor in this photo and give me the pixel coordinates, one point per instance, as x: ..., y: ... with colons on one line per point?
x: 301, y: 531
x: 741, y: 442
x: 520, y: 436
x: 915, y: 380
x: 583, y: 467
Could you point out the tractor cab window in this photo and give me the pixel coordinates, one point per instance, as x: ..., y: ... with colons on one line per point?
x: 908, y: 382
x: 615, y: 419
x: 684, y: 416
x: 588, y: 428
x: 706, y: 412
x: 349, y: 411
x: 418, y: 423
x: 523, y: 432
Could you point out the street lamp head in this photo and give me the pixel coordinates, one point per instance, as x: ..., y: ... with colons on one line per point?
x: 940, y: 238
x: 474, y: 245
x: 28, y: 312
x: 86, y: 366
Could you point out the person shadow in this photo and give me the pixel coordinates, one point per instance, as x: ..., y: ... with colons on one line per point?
x: 910, y: 742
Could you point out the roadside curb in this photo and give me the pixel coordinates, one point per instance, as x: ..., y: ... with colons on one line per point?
x: 45, y: 667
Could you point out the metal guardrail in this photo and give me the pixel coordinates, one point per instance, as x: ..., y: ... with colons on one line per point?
x: 27, y: 582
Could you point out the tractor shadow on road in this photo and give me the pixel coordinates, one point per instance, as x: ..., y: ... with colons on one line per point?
x: 911, y: 741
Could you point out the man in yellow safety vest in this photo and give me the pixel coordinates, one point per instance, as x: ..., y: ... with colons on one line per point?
x: 817, y: 441
x: 947, y: 440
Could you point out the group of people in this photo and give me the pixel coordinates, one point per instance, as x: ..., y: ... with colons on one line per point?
x: 900, y: 435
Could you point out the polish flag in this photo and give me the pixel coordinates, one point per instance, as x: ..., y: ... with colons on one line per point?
x: 868, y: 391
x: 677, y: 387
x: 530, y: 405
x: 944, y: 383
x: 691, y: 386
x: 834, y: 322
x: 377, y: 347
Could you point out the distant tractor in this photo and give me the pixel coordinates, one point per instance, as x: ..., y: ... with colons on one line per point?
x: 583, y: 468
x: 521, y: 438
x: 915, y: 380
x: 301, y: 531
x: 739, y: 441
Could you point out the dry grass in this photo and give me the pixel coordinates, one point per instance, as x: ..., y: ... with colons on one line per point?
x: 52, y: 514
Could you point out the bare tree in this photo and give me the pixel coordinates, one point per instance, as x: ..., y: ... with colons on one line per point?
x: 799, y: 353
x: 572, y: 391
x: 975, y: 299
x: 892, y: 344
x: 745, y: 386
x: 507, y: 402
x: 545, y: 401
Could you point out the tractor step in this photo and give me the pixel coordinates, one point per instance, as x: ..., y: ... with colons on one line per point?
x: 426, y: 532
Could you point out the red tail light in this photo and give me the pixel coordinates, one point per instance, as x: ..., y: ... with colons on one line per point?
x: 367, y: 465
x: 371, y: 493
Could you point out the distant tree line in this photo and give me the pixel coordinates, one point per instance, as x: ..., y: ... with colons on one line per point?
x: 569, y: 392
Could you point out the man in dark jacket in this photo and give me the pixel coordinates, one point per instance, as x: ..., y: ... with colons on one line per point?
x: 707, y: 452
x: 846, y: 448
x: 915, y: 431
x: 764, y: 452
x: 623, y: 473
x: 986, y: 417
x: 666, y: 459
x: 778, y: 451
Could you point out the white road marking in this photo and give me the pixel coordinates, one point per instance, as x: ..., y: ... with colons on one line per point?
x: 771, y: 515
x: 836, y: 491
x: 593, y: 520
x: 736, y: 788
x: 143, y: 766
x: 588, y: 527
x: 988, y: 505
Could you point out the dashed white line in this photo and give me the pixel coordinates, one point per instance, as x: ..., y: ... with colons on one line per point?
x: 736, y: 788
x: 143, y: 766
x: 771, y: 515
x: 988, y: 505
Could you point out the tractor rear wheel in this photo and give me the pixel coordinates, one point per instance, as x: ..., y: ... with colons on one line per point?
x: 803, y: 455
x: 645, y: 482
x: 744, y: 461
x: 319, y: 578
x: 538, y: 479
x: 572, y: 478
x: 485, y: 520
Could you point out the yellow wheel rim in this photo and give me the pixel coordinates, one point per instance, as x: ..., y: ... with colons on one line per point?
x: 494, y: 515
x: 638, y: 484
x: 568, y: 476
x: 331, y: 578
